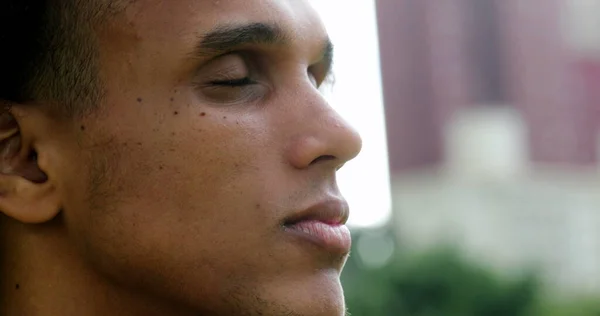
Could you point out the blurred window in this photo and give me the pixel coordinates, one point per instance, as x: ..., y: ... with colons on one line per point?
x: 485, y: 47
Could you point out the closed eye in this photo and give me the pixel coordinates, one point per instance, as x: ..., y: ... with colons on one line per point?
x: 234, y: 82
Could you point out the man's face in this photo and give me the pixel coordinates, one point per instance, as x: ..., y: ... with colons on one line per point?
x: 212, y: 141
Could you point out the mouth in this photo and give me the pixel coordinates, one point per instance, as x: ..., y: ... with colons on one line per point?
x: 322, y: 225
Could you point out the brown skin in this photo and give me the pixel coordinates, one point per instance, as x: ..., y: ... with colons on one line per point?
x: 169, y: 200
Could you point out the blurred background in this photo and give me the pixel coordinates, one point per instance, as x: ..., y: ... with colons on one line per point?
x: 478, y: 189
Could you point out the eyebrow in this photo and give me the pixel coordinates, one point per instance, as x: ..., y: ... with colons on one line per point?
x: 227, y: 38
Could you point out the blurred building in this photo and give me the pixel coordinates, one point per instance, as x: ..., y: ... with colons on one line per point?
x: 493, y: 117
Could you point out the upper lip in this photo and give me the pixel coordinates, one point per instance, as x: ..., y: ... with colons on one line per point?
x: 331, y: 211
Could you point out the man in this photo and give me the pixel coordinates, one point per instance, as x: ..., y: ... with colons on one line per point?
x: 169, y: 158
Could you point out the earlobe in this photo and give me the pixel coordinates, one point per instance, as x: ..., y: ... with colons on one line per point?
x: 26, y: 201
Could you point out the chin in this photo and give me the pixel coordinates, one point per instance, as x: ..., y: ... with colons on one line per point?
x: 291, y: 296
x: 320, y: 295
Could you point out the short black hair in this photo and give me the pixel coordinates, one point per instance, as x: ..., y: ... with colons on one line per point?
x: 49, y: 52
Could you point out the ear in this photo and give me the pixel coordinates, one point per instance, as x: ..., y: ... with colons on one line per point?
x: 26, y: 194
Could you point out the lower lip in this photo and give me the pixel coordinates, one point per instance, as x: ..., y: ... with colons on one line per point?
x: 334, y: 238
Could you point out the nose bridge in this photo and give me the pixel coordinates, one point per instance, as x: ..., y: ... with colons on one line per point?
x: 319, y: 131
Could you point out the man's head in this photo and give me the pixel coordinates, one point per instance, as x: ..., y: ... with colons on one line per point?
x: 170, y: 157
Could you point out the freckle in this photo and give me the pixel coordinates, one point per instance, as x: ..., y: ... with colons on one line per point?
x: 160, y: 167
x: 155, y: 129
x: 173, y: 134
x: 257, y: 206
x: 17, y: 286
x: 172, y: 99
x: 83, y: 127
x: 175, y: 113
x: 224, y: 117
x: 203, y: 114
x: 139, y: 144
x: 139, y: 99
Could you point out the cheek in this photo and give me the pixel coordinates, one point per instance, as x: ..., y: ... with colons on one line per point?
x: 195, y: 191
x: 166, y: 181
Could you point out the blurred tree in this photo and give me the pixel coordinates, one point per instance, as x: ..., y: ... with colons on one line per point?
x: 437, y: 283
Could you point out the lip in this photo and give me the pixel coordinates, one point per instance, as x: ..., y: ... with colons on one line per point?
x: 332, y: 212
x: 323, y: 225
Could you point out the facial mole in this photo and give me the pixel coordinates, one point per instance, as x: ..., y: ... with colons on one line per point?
x: 139, y: 99
x: 82, y: 127
x: 17, y: 286
x: 172, y: 99
x: 203, y: 114
x: 224, y: 117
x: 175, y: 113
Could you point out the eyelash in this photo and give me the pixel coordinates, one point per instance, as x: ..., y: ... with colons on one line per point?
x: 246, y: 81
x: 234, y: 83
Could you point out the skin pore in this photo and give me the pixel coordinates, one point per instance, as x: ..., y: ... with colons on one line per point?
x: 169, y: 198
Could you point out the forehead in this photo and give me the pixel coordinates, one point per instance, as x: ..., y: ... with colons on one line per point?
x: 191, y: 19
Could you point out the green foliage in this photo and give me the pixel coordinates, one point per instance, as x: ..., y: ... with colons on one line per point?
x: 580, y: 307
x: 437, y: 283
x: 440, y: 282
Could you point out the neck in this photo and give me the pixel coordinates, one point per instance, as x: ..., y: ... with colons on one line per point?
x: 42, y: 273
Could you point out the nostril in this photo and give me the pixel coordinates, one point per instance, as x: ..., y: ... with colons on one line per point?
x: 323, y: 158
x: 33, y: 156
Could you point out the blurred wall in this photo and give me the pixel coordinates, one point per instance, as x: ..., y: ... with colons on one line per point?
x: 442, y: 56
x: 493, y: 117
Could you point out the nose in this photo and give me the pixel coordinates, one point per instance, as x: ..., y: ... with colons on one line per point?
x: 322, y: 136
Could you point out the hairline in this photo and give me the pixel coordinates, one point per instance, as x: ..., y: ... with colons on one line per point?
x: 64, y: 75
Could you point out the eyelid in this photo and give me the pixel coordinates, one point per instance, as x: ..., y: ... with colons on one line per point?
x: 224, y: 95
x: 229, y: 72
x: 231, y: 66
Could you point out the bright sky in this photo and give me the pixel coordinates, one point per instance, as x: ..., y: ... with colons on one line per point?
x: 358, y: 97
